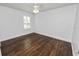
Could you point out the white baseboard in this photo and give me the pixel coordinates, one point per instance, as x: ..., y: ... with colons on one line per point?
x: 7, y: 38
x: 60, y: 38
x: 73, y: 49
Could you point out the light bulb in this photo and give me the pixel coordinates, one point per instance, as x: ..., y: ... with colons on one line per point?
x: 35, y: 11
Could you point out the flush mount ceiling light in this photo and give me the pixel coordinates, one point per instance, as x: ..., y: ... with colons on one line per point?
x: 36, y: 9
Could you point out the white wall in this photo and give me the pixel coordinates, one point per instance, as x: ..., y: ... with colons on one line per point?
x: 57, y: 22
x: 75, y: 39
x: 11, y: 23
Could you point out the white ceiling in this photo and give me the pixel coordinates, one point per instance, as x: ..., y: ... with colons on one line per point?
x: 29, y: 6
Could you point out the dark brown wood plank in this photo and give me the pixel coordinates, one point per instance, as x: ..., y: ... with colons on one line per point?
x: 35, y: 45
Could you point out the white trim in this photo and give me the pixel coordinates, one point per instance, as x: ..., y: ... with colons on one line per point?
x: 14, y: 36
x: 60, y: 38
x: 73, y: 49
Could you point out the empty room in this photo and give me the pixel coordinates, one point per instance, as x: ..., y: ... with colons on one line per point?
x: 39, y: 29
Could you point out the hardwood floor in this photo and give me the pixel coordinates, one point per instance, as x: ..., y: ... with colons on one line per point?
x: 35, y: 45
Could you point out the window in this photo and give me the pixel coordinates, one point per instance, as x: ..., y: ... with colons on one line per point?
x: 27, y: 22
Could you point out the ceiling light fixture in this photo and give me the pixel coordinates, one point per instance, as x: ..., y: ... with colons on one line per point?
x: 36, y: 9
